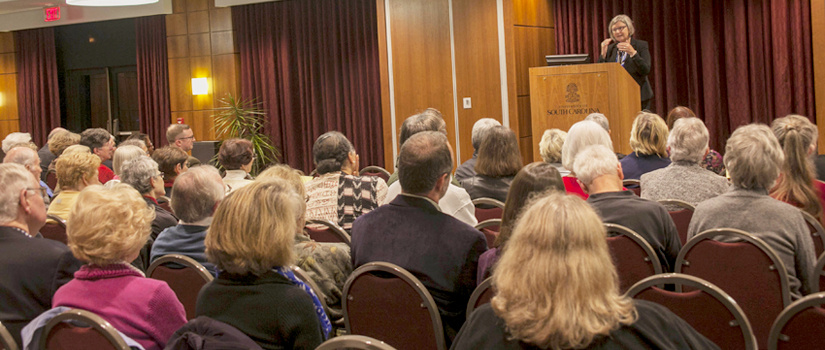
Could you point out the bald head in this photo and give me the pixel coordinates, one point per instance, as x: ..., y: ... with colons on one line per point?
x: 26, y: 157
x: 196, y: 193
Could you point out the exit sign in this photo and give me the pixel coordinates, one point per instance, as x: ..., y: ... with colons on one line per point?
x: 51, y: 14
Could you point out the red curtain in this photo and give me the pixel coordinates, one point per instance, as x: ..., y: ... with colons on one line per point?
x: 38, y: 100
x: 153, y: 77
x: 314, y: 67
x: 733, y: 62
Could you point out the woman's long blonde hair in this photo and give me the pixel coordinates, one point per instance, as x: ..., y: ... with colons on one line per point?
x: 556, y: 282
x: 796, y: 135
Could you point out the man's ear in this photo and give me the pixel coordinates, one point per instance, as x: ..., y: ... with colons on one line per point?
x: 178, y: 168
x: 24, y: 202
x: 620, y: 172
x: 583, y: 186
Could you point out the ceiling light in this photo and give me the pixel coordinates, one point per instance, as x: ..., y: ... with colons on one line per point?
x: 109, y: 2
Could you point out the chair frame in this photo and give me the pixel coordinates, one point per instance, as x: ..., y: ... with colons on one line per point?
x: 182, y: 260
x: 811, y: 300
x: 6, y: 339
x: 407, y: 277
x: 488, y: 223
x: 651, y: 254
x: 89, y: 318
x: 777, y: 264
x: 488, y: 201
x: 354, y: 342
x: 477, y: 293
x: 680, y: 279
x: 820, y: 272
x: 57, y: 219
x: 304, y: 277
x: 820, y: 231
x: 374, y: 169
x: 677, y: 202
x: 337, y: 230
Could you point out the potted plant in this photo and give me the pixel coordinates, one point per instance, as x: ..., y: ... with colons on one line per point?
x: 239, y: 118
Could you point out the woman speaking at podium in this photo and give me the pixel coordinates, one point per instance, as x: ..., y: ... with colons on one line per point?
x: 632, y: 54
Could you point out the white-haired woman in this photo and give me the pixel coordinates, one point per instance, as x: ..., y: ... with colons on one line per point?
x: 582, y: 134
x: 550, y: 149
x: 557, y: 288
x: 754, y: 160
x: 685, y: 178
x: 143, y: 309
x: 632, y: 54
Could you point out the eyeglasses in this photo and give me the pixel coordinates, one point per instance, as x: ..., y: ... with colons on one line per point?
x: 619, y: 29
x: 42, y: 190
x: 187, y: 138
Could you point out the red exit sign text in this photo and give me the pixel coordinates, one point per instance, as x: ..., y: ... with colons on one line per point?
x: 51, y: 13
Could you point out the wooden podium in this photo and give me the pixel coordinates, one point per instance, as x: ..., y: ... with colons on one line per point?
x: 561, y: 96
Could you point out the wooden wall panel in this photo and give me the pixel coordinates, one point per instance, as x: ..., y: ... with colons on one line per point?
x: 8, y: 127
x: 200, y: 45
x: 534, y: 13
x: 532, y: 44
x: 524, y: 124
x: 7, y: 63
x: 422, y: 61
x: 383, y: 68
x: 818, y: 39
x: 478, y: 71
x: 8, y: 97
x: 7, y: 42
x: 9, y: 117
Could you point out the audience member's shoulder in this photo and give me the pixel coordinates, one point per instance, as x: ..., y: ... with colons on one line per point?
x: 48, y: 246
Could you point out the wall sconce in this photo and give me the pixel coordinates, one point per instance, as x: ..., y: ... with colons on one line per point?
x: 200, y: 86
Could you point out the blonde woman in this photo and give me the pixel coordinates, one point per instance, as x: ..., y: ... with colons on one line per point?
x: 648, y: 139
x: 558, y: 289
x: 75, y: 171
x: 550, y: 149
x: 143, y: 309
x: 255, y: 292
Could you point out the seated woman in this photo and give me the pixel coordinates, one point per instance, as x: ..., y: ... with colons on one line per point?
x: 237, y: 157
x: 648, y: 139
x: 172, y: 161
x: 499, y: 160
x: 328, y: 264
x: 582, y: 134
x: 255, y: 292
x: 798, y: 185
x: 122, y: 155
x: 557, y: 288
x: 684, y: 178
x: 550, y: 148
x: 532, y: 180
x: 75, y: 171
x: 338, y: 194
x: 143, y: 309
x: 712, y: 160
x: 754, y: 160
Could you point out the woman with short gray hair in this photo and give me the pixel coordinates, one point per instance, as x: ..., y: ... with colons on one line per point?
x: 142, y: 173
x: 339, y: 194
x: 754, y: 158
x: 684, y: 179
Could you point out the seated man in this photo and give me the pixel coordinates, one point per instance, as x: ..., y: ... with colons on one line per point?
x: 30, y: 159
x: 467, y: 169
x: 412, y: 232
x: 32, y: 268
x: 753, y: 159
x: 600, y: 175
x: 195, y: 197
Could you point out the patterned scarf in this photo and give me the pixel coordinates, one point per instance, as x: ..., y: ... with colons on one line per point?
x: 319, y: 309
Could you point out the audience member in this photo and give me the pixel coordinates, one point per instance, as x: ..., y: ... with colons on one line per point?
x: 648, y: 140
x: 122, y: 155
x: 75, y: 171
x: 600, y: 174
x: 467, y: 169
x: 413, y: 233
x: 45, y: 154
x: 532, y: 180
x: 753, y: 159
x: 196, y: 196
x: 557, y: 288
x: 134, y: 142
x: 172, y: 161
x: 102, y: 144
x: 143, y: 309
x: 684, y: 179
x: 32, y: 268
x: 582, y: 134
x: 150, y: 147
x: 338, y: 194
x: 182, y: 136
x: 255, y: 291
x: 601, y: 119
x: 15, y: 138
x: 328, y: 264
x: 59, y: 142
x: 499, y: 160
x: 142, y: 173
x: 550, y: 149
x: 798, y: 185
x: 237, y: 157
x: 712, y: 160
x: 30, y: 159
x: 456, y: 201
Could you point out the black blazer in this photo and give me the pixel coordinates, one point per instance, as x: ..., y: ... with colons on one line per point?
x: 638, y: 66
x: 32, y: 269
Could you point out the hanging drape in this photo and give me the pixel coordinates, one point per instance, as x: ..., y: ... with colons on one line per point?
x: 38, y: 99
x: 153, y: 77
x: 313, y: 64
x: 733, y: 62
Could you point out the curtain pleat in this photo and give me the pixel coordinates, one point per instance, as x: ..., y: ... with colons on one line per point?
x: 153, y: 77
x: 37, y: 87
